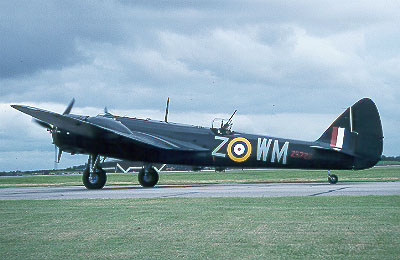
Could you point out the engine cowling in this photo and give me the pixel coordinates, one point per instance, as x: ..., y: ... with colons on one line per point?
x: 109, y: 123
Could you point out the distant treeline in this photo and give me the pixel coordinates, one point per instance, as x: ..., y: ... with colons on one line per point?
x: 390, y: 158
x: 44, y: 172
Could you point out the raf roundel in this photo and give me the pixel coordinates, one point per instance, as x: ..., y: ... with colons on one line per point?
x: 239, y: 149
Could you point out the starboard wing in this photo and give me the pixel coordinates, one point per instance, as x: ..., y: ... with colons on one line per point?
x: 82, y: 125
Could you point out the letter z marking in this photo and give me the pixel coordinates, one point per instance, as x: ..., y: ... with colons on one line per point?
x: 224, y: 141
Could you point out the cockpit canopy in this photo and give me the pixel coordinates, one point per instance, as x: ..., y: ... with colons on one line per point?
x: 221, y: 126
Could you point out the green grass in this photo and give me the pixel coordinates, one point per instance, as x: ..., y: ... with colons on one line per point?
x: 238, y: 176
x: 202, y: 228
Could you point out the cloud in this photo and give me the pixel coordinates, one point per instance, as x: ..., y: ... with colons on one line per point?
x: 43, y: 36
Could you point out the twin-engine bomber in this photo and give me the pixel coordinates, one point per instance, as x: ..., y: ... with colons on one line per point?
x: 353, y: 141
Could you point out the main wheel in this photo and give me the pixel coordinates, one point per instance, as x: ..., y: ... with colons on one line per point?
x: 96, y: 180
x: 148, y: 177
x: 333, y: 179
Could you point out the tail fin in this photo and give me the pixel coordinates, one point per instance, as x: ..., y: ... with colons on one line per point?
x: 357, y: 132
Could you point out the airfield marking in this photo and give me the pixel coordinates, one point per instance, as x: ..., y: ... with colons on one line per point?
x: 209, y: 190
x: 326, y: 192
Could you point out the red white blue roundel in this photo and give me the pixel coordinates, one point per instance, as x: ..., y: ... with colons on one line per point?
x: 239, y: 149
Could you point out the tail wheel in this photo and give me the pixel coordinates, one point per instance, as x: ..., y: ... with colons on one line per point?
x: 148, y: 177
x: 333, y: 179
x: 95, y: 180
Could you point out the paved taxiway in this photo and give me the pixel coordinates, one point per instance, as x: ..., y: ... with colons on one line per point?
x: 210, y: 190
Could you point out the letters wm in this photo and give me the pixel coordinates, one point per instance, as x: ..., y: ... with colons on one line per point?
x: 264, y: 146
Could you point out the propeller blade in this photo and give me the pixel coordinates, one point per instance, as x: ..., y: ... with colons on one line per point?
x: 42, y: 124
x: 55, y: 157
x: 59, y: 155
x: 69, y: 107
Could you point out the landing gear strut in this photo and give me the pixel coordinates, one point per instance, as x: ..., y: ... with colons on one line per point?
x: 332, y: 178
x: 148, y: 177
x: 94, y: 177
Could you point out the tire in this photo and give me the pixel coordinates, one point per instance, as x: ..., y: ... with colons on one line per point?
x: 98, y: 180
x: 333, y: 179
x: 148, y: 177
x: 219, y: 169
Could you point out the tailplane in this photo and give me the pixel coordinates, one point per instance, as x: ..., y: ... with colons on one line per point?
x: 358, y: 133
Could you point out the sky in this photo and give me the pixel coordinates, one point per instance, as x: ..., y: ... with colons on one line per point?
x: 290, y: 68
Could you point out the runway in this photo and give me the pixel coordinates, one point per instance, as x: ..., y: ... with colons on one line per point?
x: 209, y: 190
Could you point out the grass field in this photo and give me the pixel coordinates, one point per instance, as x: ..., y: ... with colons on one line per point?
x: 202, y: 228
x: 238, y: 176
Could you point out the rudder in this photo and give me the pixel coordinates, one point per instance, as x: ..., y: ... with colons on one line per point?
x: 357, y: 132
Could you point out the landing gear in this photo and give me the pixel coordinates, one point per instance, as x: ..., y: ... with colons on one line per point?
x: 94, y: 177
x: 332, y: 178
x: 148, y: 177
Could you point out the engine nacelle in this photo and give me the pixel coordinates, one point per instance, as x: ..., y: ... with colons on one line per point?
x: 109, y: 123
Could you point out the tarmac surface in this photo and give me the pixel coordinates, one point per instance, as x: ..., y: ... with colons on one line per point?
x: 209, y: 190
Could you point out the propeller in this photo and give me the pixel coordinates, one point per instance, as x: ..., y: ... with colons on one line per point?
x: 106, y: 112
x: 69, y: 107
x: 66, y: 112
x: 53, y: 131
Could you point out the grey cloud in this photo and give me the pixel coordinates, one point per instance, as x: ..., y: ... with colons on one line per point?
x: 38, y: 36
